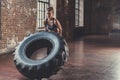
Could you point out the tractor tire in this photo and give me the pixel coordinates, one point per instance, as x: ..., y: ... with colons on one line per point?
x: 49, y: 65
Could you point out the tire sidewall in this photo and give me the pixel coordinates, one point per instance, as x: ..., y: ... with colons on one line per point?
x: 52, y: 37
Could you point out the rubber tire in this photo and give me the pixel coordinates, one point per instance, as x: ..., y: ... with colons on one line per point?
x: 43, y: 68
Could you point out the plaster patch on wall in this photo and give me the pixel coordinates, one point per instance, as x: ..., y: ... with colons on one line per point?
x: 9, y: 4
x: 28, y: 33
x: 12, y: 42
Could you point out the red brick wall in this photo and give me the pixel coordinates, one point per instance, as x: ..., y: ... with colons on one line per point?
x: 18, y: 18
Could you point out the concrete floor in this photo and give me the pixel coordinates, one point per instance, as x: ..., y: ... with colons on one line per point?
x: 91, y: 58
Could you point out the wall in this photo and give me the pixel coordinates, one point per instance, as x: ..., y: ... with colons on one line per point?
x: 66, y: 16
x: 0, y: 19
x: 101, y: 16
x: 101, y: 10
x: 53, y: 3
x: 18, y: 18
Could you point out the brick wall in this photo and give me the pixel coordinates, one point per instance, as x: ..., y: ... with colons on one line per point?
x: 18, y: 18
x: 101, y: 16
x: 66, y: 16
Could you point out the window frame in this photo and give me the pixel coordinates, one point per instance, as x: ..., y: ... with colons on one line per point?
x: 79, y: 13
x: 41, y: 12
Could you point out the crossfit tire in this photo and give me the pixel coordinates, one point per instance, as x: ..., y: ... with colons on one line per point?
x: 43, y: 68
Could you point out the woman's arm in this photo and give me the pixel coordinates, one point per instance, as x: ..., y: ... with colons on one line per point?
x: 59, y: 27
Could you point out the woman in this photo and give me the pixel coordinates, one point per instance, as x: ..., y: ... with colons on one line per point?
x: 51, y: 23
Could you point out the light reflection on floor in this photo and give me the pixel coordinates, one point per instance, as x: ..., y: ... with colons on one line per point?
x: 95, y: 58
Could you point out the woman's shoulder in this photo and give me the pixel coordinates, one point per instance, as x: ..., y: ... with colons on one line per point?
x: 56, y: 20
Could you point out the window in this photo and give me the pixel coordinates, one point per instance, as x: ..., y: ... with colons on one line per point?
x: 77, y: 10
x: 41, y: 12
x: 79, y: 13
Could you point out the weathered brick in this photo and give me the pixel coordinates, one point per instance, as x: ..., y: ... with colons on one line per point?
x: 18, y: 17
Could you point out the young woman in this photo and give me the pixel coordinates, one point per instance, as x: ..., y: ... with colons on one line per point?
x: 51, y: 23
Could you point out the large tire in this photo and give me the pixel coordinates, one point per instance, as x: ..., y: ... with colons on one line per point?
x: 42, y: 68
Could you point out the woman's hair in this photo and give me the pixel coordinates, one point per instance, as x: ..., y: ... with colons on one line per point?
x: 50, y: 9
